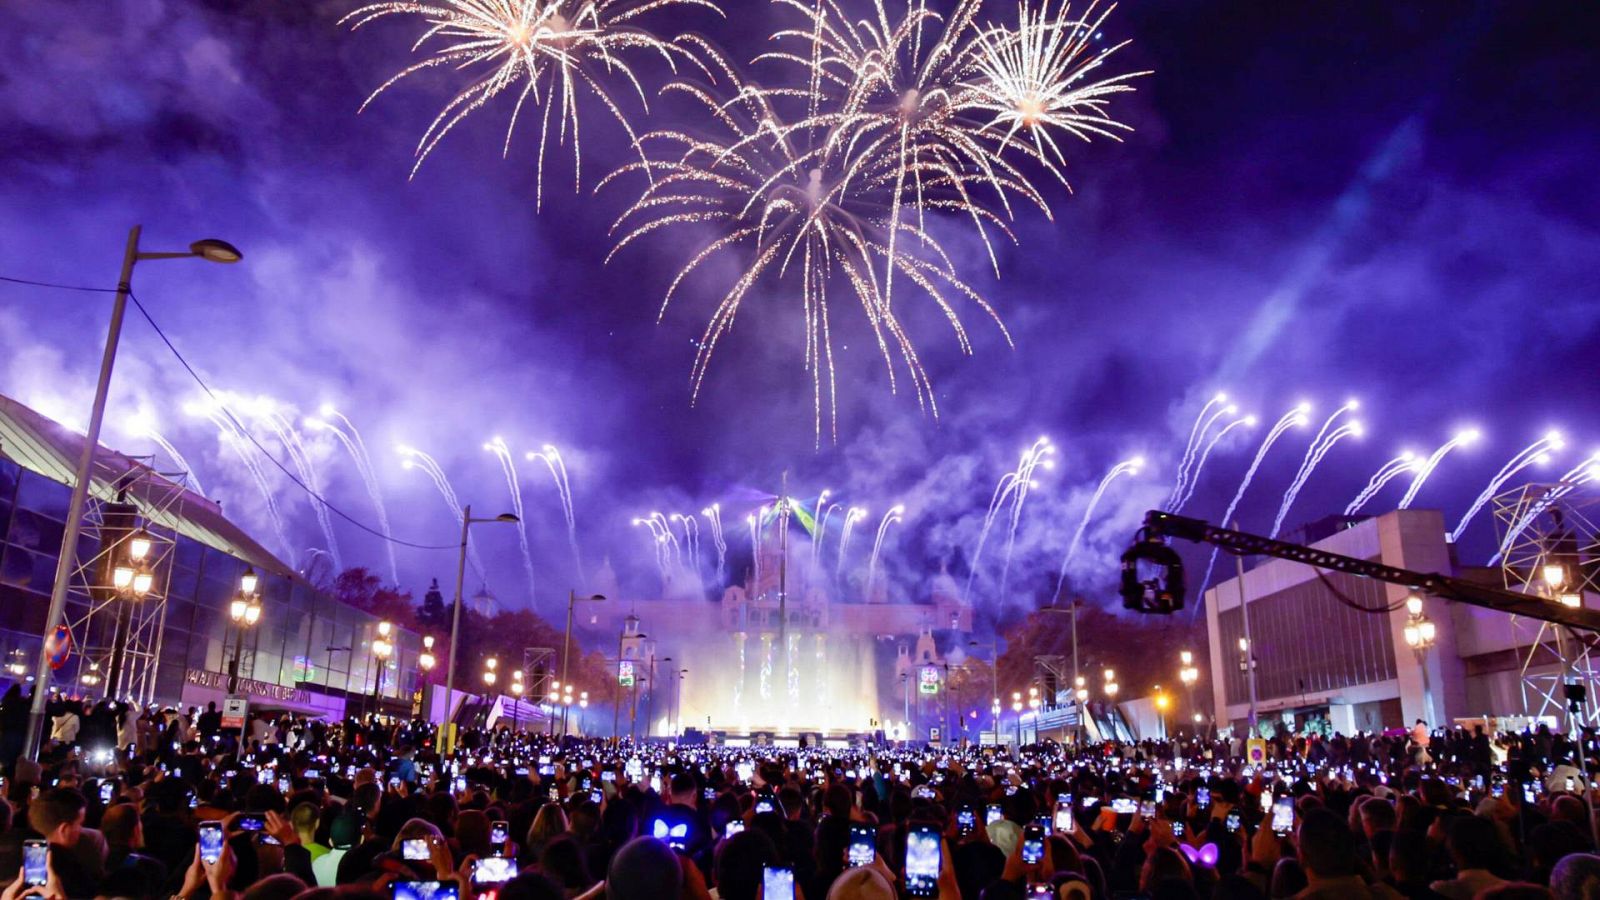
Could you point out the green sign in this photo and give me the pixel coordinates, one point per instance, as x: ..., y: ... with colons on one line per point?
x: 625, y: 673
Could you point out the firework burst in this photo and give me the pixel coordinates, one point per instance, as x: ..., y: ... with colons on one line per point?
x: 545, y: 52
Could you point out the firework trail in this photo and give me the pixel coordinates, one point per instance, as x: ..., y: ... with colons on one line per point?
x: 412, y: 458
x: 231, y: 435
x: 713, y: 514
x: 1464, y: 437
x: 1202, y: 422
x: 1126, y: 467
x: 658, y: 543
x: 1319, y: 448
x: 889, y: 518
x: 663, y: 527
x: 1584, y: 472
x: 1537, y: 452
x: 1389, y: 471
x: 284, y: 431
x: 508, y: 468
x: 822, y: 534
x: 691, y: 539
x: 853, y: 515
x: 754, y: 521
x: 551, y: 457
x: 543, y: 51
x: 350, y: 438
x: 143, y: 425
x: 1294, y: 418
x: 1200, y: 459
x: 1012, y: 488
x: 1038, y: 455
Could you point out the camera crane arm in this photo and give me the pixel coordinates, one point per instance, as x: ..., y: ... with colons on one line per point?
x: 1159, y: 525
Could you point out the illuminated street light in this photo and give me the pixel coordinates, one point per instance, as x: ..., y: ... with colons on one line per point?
x: 1555, y: 576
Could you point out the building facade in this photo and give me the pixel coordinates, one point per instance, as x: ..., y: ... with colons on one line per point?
x: 177, y: 643
x: 1334, y: 645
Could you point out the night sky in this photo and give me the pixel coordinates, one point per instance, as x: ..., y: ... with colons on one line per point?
x: 1388, y: 201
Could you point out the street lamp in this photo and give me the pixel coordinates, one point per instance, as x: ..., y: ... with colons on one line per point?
x: 131, y: 580
x: 209, y: 249
x: 566, y: 641
x: 381, y: 649
x: 1188, y: 674
x: 467, y: 521
x: 245, y: 611
x: 1419, y: 634
x: 426, y: 660
x: 994, y: 673
x: 1016, y: 710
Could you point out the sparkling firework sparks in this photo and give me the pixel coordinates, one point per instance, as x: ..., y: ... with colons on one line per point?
x: 1205, y: 454
x: 889, y: 518
x: 1320, y: 445
x: 551, y: 457
x: 1013, y: 486
x: 350, y: 438
x: 508, y: 468
x: 803, y: 213
x: 542, y: 51
x: 1197, y: 434
x: 1038, y: 77
x: 412, y: 458
x: 713, y: 514
x: 851, y: 517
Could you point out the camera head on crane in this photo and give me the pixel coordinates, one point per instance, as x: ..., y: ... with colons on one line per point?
x: 1152, y: 575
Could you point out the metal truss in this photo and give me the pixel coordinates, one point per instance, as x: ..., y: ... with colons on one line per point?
x: 1540, y: 525
x: 103, y: 619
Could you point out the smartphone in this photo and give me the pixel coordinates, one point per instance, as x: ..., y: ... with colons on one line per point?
x: 1266, y: 801
x: 1202, y: 797
x: 494, y: 870
x: 1033, y: 845
x: 1063, y: 820
x: 1178, y: 828
x: 863, y: 846
x: 252, y: 822
x: 1283, y: 815
x: 924, y: 856
x: 284, y: 784
x: 210, y: 841
x: 108, y: 789
x: 993, y: 813
x: 608, y: 775
x: 1571, y: 784
x: 777, y: 883
x: 1041, y: 889
x: 415, y: 848
x: 1232, y: 822
x: 1528, y: 795
x: 966, y: 820
x: 1124, y: 806
x: 1147, y: 809
x: 765, y: 803
x: 424, y: 890
x: 734, y: 826
x: 35, y: 862
x: 312, y: 773
x: 459, y: 786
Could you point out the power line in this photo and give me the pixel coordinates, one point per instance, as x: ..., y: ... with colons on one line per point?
x: 61, y: 287
x: 239, y: 426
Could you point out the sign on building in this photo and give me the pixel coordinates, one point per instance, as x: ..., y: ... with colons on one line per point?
x: 625, y: 673
x: 928, y: 680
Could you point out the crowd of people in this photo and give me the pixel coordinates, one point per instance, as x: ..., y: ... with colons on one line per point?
x: 181, y: 806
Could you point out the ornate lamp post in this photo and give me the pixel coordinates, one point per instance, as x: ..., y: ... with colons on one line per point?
x: 1188, y: 673
x: 245, y: 611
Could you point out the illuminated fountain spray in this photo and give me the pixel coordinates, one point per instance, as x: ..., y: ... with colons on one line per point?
x: 508, y: 468
x: 1326, y: 437
x: 143, y: 424
x: 344, y: 430
x: 851, y: 517
x: 1200, y: 461
x: 232, y: 434
x: 412, y: 458
x: 1459, y: 439
x: 1215, y: 408
x: 1389, y: 471
x: 1294, y: 418
x: 1536, y: 453
x: 889, y: 518
x: 713, y: 514
x: 1012, y: 488
x: 551, y: 457
x: 1126, y: 467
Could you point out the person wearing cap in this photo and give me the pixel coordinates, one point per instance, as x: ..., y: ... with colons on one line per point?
x: 342, y: 835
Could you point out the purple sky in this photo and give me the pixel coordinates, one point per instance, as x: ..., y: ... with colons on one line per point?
x: 1388, y: 201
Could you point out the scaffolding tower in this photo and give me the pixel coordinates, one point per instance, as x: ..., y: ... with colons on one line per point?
x: 1547, y: 529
